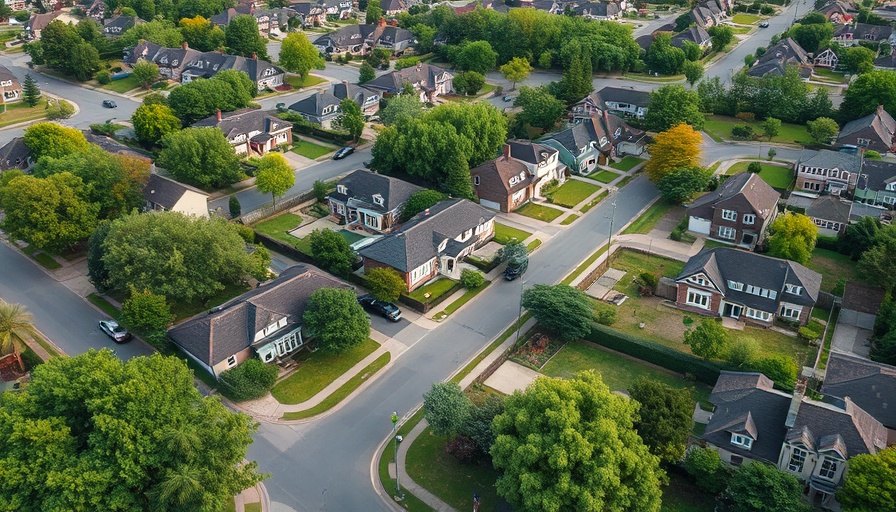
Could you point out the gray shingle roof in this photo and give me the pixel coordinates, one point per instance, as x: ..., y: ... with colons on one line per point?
x: 723, y: 264
x: 244, y: 121
x: 776, y: 59
x: 761, y: 196
x: 423, y: 74
x: 871, y: 385
x: 213, y: 337
x: 827, y: 159
x: 880, y: 121
x: 356, y: 92
x: 15, y: 155
x: 695, y: 34
x: 877, y: 174
x: 166, y: 192
x: 362, y: 185
x: 417, y: 241
x: 859, y: 431
x: 830, y: 208
x: 530, y: 152
x: 623, y: 95
x: 864, y: 298
x: 314, y: 105
x: 865, y: 31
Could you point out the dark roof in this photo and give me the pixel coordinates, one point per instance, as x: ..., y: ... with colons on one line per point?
x: 872, y: 386
x: 374, y: 34
x: 859, y: 431
x: 695, y: 34
x: 864, y: 298
x: 529, y: 151
x: 596, y: 9
x: 827, y: 159
x: 244, y: 121
x: 213, y: 337
x: 7, y: 75
x: 723, y: 264
x: 778, y: 57
x: 15, y: 155
x: 316, y: 103
x: 119, y: 24
x: 622, y: 95
x: 417, y: 241
x: 110, y: 145
x: 887, y: 61
x: 495, y: 178
x: 165, y: 191
x: 865, y: 32
x: 358, y: 93
x: 761, y: 196
x: 362, y: 185
x: 880, y: 121
x: 830, y: 208
x: 423, y: 74
x: 199, y: 64
x: 878, y: 174
x: 740, y: 396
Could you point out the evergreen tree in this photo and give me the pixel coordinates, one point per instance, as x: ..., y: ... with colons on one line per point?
x: 30, y: 91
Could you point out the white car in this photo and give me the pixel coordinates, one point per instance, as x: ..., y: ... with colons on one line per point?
x: 118, y: 333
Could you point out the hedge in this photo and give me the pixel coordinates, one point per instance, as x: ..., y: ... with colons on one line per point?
x: 248, y: 381
x: 831, y: 243
x: 660, y: 355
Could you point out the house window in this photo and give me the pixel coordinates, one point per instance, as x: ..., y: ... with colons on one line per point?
x: 758, y: 315
x: 797, y: 460
x: 231, y: 361
x: 753, y: 290
x: 740, y: 440
x: 372, y: 221
x: 341, y: 189
x: 863, y: 142
x: 699, y: 299
x: 793, y: 289
x: 421, y: 271
x: 476, y: 180
x: 749, y: 219
x: 828, y: 469
x: 729, y: 214
x: 734, y: 285
x: 726, y: 232
x: 890, y: 199
x: 790, y: 311
x: 378, y: 199
x: 697, y: 280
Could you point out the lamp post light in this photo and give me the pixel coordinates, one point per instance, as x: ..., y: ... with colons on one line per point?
x: 399, y: 495
x: 613, y: 191
x: 519, y: 315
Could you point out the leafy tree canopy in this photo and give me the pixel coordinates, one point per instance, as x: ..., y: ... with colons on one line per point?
x: 866, y: 92
x: 420, y: 201
x: 298, y: 55
x: 200, y: 156
x: 671, y: 105
x: 760, y: 487
x: 681, y: 185
x: 666, y: 417
x: 870, y: 483
x: 331, y: 252
x: 274, y: 175
x: 242, y: 38
x: 152, y: 122
x: 447, y: 408
x: 560, y: 309
x: 675, y: 148
x: 336, y: 320
x: 54, y: 140
x: 792, y: 237
x: 401, y: 108
x: 385, y: 284
x: 540, y: 108
x: 708, y: 340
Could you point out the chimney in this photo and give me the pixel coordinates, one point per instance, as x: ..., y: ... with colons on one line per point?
x: 798, y: 392
x: 382, y: 22
x: 254, y: 56
x: 506, y: 152
x: 345, y: 83
x: 219, y: 115
x: 184, y: 45
x: 880, y: 109
x: 426, y: 212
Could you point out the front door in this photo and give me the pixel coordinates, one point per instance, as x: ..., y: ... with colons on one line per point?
x: 732, y: 310
x: 749, y: 239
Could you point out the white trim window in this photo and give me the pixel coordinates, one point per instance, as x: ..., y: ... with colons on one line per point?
x: 740, y: 440
x: 793, y: 289
x: 828, y: 469
x: 727, y: 232
x: 729, y: 215
x: 749, y: 219
x: 734, y: 285
x: 700, y: 280
x: 790, y: 311
x: 797, y: 460
x: 372, y: 221
x: 757, y: 314
x: 422, y: 271
x: 231, y: 361
x: 698, y: 299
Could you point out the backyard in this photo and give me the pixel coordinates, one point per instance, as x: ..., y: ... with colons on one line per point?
x: 310, y: 149
x: 572, y: 193
x: 278, y: 227
x: 539, y: 212
x: 316, y: 371
x: 505, y: 234
x: 776, y: 176
x: 833, y: 266
x: 719, y: 128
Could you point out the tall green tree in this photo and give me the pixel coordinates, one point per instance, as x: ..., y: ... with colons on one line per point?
x: 811, y: 36
x: 571, y: 445
x: 560, y: 309
x: 577, y: 74
x: 201, y: 34
x: 792, y: 237
x: 516, y: 71
x: 298, y: 55
x: 54, y: 140
x: 671, y: 105
x: 84, y: 61
x: 663, y: 57
x: 866, y: 92
x: 350, y: 118
x: 540, y: 108
x: 145, y: 311
x: 420, y: 201
x: 184, y: 452
x: 446, y: 408
x: 154, y: 122
x: 771, y: 127
x: 30, y: 91
x: 706, y: 466
x: 876, y: 263
x: 679, y: 186
x: 870, y: 483
x: 367, y: 73
x: 373, y: 14
x: 145, y: 73
x: 693, y: 72
x: 665, y: 417
x: 242, y: 38
x: 331, y: 252
x: 823, y: 130
x: 401, y: 108
x: 274, y: 175
x: 477, y: 56
x: 16, y: 325
x: 200, y: 156
x: 335, y: 320
x: 708, y: 340
x: 721, y: 36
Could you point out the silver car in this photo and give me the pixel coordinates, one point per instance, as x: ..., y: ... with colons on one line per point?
x: 118, y: 333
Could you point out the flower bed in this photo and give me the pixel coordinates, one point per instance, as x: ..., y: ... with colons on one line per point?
x: 537, y: 351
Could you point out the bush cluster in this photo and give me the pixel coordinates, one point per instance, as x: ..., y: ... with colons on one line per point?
x: 248, y: 381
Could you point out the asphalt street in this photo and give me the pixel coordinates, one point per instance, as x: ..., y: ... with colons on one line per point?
x: 69, y: 321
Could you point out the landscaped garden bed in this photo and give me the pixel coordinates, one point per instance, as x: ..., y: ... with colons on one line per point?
x: 536, y: 351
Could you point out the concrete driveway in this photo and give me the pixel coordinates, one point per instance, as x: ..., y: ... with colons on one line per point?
x: 850, y: 339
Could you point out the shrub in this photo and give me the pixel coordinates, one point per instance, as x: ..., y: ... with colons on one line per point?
x: 779, y: 368
x: 705, y: 465
x: 807, y: 334
x: 248, y: 381
x: 755, y: 167
x: 145, y: 311
x: 103, y: 77
x: 649, y: 279
x: 742, y: 132
x: 605, y: 314
x: 471, y: 278
x: 676, y: 234
x: 767, y: 10
x: 746, y: 116
x: 742, y: 352
x: 839, y: 286
x: 463, y: 449
x: 872, y: 155
x: 320, y: 190
x: 233, y: 205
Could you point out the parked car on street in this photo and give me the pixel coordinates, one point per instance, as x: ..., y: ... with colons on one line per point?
x: 343, y: 152
x: 109, y: 104
x: 763, y: 24
x: 386, y: 310
x: 118, y: 333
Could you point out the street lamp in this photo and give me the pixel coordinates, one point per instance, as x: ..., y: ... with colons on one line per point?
x: 519, y: 315
x: 400, y: 496
x: 613, y: 191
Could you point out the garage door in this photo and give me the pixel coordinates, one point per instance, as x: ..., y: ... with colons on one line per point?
x: 490, y: 204
x: 700, y: 226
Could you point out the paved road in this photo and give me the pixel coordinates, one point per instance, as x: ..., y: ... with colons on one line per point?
x: 69, y: 321
x: 325, y: 465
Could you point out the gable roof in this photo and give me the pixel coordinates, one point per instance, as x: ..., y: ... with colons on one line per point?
x: 358, y: 93
x: 375, y: 33
x: 15, y: 155
x: 316, y: 103
x: 830, y: 208
x: 865, y: 31
x: 495, y: 177
x: 871, y: 385
x: 695, y: 34
x: 529, y: 151
x: 859, y: 431
x: 245, y: 121
x: 119, y: 24
x: 110, y: 145
x: 423, y: 74
x: 761, y: 196
x: 886, y: 61
x: 622, y: 95
x: 199, y: 64
x: 7, y: 75
x: 362, y: 185
x: 827, y: 159
x: 778, y: 57
x: 876, y: 174
x: 880, y: 121
x: 723, y: 264
x: 40, y: 21
x: 166, y: 192
x: 417, y: 241
x: 226, y: 330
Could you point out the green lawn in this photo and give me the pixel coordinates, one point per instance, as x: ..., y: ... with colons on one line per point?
x: 316, y: 371
x: 582, y: 266
x: 454, y: 306
x: 626, y: 163
x: 534, y: 244
x: 310, y: 149
x: 643, y: 224
x: 741, y: 30
x: 122, y: 86
x: 104, y: 305
x: 539, y: 212
x: 310, y: 81
x: 506, y: 234
x: 829, y: 75
x: 603, y: 176
x: 252, y: 507
x: 594, y: 202
x: 776, y: 176
x: 719, y: 128
x: 41, y: 257
x: 745, y: 19
x: 19, y: 112
x: 616, y: 370
x: 434, y: 289
x: 441, y: 474
x: 278, y: 226
x: 569, y: 220
x: 344, y: 390
x: 572, y: 193
x: 833, y: 266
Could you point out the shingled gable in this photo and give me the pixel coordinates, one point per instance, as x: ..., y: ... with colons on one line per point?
x: 215, y: 336
x: 859, y: 431
x: 361, y: 186
x: 759, y: 194
x: 419, y: 239
x: 870, y: 385
x: 316, y: 104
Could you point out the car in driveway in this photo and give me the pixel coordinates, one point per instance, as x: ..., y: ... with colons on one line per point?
x: 343, y: 152
x: 118, y: 333
x: 386, y: 310
x: 109, y: 104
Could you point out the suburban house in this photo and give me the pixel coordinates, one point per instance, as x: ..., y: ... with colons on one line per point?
x: 868, y: 384
x: 747, y: 286
x: 361, y: 39
x: 269, y: 21
x: 738, y: 212
x: 117, y: 26
x: 320, y: 108
x: 433, y: 243
x: 827, y: 171
x: 364, y: 198
x: 185, y: 64
x: 826, y: 59
x: 38, y: 22
x: 594, y: 140
x: 887, y: 62
x: 876, y: 131
x: 517, y: 176
x: 9, y: 84
x: 251, y: 132
x: 837, y: 11
x: 341, y: 9
x: 695, y: 34
x: 393, y: 7
x: 367, y: 99
x: 430, y: 81
x: 96, y: 10
x: 877, y: 183
x: 625, y: 100
x: 830, y: 213
x: 808, y: 438
x: 110, y: 145
x: 164, y: 194
x: 853, y: 34
x: 709, y: 13
x: 776, y: 59
x: 310, y: 13
x: 266, y: 321
x: 16, y: 155
x: 598, y: 11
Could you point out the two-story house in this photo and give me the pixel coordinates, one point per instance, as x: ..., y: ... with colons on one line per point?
x: 361, y: 39
x: 266, y: 321
x: 827, y: 171
x: 811, y: 439
x: 747, y: 286
x: 517, y: 176
x: 35, y: 25
x: 837, y: 12
x: 374, y: 201
x: 738, y: 212
x: 695, y: 34
x: 618, y: 100
x: 433, y: 243
x: 393, y: 7
x: 876, y: 132
x: 341, y: 9
x: 321, y: 108
x: 853, y: 34
x: 598, y: 11
x: 164, y: 194
x: 775, y: 60
x: 709, y: 13
x: 251, y: 132
x: 367, y: 99
x: 594, y: 140
x: 428, y: 80
x: 877, y: 183
x: 118, y: 25
x: 9, y: 86
x: 871, y: 385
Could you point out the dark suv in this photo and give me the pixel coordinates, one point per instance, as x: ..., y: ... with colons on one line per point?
x: 386, y: 310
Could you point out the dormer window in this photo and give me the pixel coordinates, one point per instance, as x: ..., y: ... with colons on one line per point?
x: 341, y: 189
x: 699, y: 280
x: 828, y: 469
x: 617, y: 133
x: 795, y: 290
x: 734, y: 285
x: 378, y: 199
x: 603, y: 141
x: 739, y: 440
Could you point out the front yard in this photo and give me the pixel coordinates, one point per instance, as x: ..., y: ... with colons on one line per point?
x: 278, y: 227
x: 572, y: 193
x: 776, y: 176
x: 316, y: 371
x: 506, y: 234
x: 627, y: 163
x: 310, y: 149
x: 539, y: 212
x: 19, y: 112
x: 435, y: 289
x: 122, y: 86
x: 310, y: 81
x: 603, y: 176
x: 719, y: 128
x: 745, y: 19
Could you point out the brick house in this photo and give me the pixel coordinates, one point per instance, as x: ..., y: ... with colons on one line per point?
x: 738, y: 212
x: 251, y: 132
x: 876, y: 131
x: 374, y: 201
x: 517, y: 176
x: 747, y: 286
x: 827, y: 171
